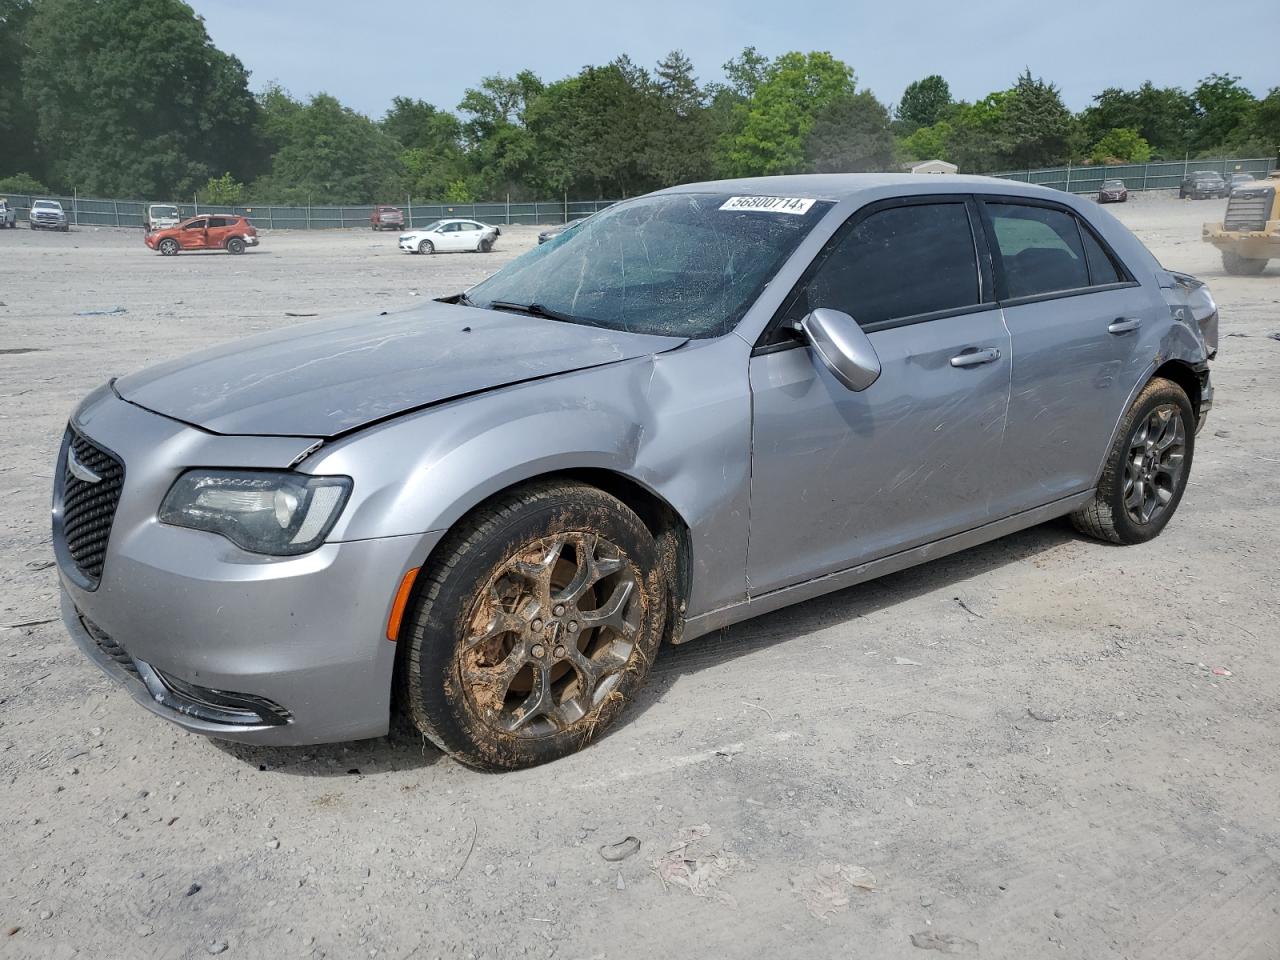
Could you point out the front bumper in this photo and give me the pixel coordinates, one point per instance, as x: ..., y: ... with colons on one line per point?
x: 271, y: 650
x: 409, y: 244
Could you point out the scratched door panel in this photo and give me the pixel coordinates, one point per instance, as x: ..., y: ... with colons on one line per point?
x: 840, y: 478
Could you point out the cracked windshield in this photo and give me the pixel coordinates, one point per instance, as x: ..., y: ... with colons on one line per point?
x: 681, y: 265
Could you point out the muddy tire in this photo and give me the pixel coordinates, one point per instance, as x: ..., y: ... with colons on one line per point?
x: 426, y: 247
x: 1146, y: 470
x: 235, y: 245
x: 1239, y: 266
x: 486, y: 245
x: 169, y: 247
x: 533, y: 625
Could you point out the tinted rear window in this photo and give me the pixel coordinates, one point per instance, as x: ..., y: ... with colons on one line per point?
x: 900, y: 262
x: 1039, y: 249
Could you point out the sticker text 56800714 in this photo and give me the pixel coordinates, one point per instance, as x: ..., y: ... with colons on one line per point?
x: 795, y: 205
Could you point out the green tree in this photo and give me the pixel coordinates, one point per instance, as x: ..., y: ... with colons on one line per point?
x: 223, y: 191
x: 1123, y: 145
x: 1035, y: 123
x: 679, y: 139
x: 851, y: 134
x: 17, y: 116
x: 746, y: 72
x: 771, y: 127
x: 929, y: 143
x: 924, y: 102
x: 1163, y: 116
x: 1226, y: 109
x: 434, y: 160
x: 133, y: 99
x: 328, y: 153
x: 21, y: 183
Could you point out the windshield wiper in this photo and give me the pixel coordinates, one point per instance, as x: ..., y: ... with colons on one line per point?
x: 536, y: 310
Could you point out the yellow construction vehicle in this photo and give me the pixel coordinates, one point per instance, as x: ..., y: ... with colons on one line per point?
x: 1249, y: 234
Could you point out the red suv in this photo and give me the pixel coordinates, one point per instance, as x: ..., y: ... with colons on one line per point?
x: 213, y: 231
x: 386, y: 218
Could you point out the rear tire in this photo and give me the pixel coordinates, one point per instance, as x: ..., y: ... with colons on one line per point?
x: 1239, y: 266
x: 169, y: 247
x: 486, y: 246
x: 532, y: 628
x: 235, y: 245
x: 1146, y: 470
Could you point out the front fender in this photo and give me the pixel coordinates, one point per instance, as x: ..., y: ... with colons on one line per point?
x: 676, y: 424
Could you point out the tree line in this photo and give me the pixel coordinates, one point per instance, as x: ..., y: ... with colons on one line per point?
x: 130, y: 98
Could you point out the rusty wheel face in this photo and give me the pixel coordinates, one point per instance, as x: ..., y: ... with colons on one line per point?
x: 549, y: 636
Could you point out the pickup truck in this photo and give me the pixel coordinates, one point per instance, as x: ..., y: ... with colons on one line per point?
x: 8, y: 217
x: 47, y: 215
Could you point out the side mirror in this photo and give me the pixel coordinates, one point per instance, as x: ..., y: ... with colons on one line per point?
x: 843, y: 347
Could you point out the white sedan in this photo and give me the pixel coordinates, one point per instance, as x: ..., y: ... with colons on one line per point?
x: 449, y: 236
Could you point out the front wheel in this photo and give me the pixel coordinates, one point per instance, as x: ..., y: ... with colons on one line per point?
x: 426, y: 247
x: 235, y: 245
x: 532, y: 629
x: 169, y: 247
x: 1146, y: 470
x: 1239, y: 266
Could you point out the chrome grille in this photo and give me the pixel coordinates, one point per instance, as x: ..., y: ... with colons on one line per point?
x: 88, y: 508
x: 1249, y: 209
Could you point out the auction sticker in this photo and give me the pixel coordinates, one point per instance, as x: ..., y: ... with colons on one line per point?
x: 795, y: 205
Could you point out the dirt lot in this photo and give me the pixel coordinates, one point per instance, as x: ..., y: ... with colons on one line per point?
x: 1024, y: 745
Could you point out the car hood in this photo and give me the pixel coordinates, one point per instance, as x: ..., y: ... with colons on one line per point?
x: 328, y: 377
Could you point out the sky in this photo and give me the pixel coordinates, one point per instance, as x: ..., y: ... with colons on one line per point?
x: 365, y: 53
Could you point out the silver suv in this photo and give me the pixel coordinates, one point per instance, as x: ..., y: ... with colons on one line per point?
x: 695, y: 407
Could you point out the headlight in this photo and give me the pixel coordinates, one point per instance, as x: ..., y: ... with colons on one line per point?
x: 276, y: 513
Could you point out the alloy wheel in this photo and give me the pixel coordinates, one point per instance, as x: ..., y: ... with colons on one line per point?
x: 550, y: 634
x: 1154, y: 468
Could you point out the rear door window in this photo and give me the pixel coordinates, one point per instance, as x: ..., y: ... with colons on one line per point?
x: 1102, y: 269
x: 899, y: 262
x: 1039, y: 249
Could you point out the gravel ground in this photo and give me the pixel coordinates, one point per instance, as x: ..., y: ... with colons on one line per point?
x: 1023, y: 749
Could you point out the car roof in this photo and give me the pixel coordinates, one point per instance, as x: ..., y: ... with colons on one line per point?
x: 850, y: 186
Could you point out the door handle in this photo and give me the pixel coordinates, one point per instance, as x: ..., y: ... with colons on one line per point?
x: 976, y: 358
x: 1123, y: 325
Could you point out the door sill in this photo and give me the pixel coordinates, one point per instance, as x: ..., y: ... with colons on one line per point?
x: 705, y: 623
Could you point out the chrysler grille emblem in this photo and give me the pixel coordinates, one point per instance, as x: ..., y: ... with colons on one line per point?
x: 79, y: 470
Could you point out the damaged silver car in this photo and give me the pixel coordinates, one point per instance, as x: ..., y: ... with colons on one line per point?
x: 490, y: 513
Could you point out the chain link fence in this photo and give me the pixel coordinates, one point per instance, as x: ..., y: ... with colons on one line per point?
x: 87, y: 211
x: 1162, y: 175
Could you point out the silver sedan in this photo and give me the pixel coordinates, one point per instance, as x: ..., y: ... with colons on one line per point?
x: 698, y: 406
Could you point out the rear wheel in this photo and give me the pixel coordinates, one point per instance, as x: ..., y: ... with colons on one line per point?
x: 1239, y: 266
x: 235, y: 245
x: 1146, y: 470
x: 169, y: 247
x: 426, y: 247
x: 486, y: 245
x: 534, y: 627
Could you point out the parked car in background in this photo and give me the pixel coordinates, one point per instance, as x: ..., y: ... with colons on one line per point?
x: 552, y: 232
x: 450, y: 236
x: 47, y: 215
x: 1238, y: 179
x: 160, y: 216
x: 1202, y: 185
x: 8, y: 216
x: 1113, y: 191
x: 701, y: 405
x: 385, y: 217
x: 213, y: 231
